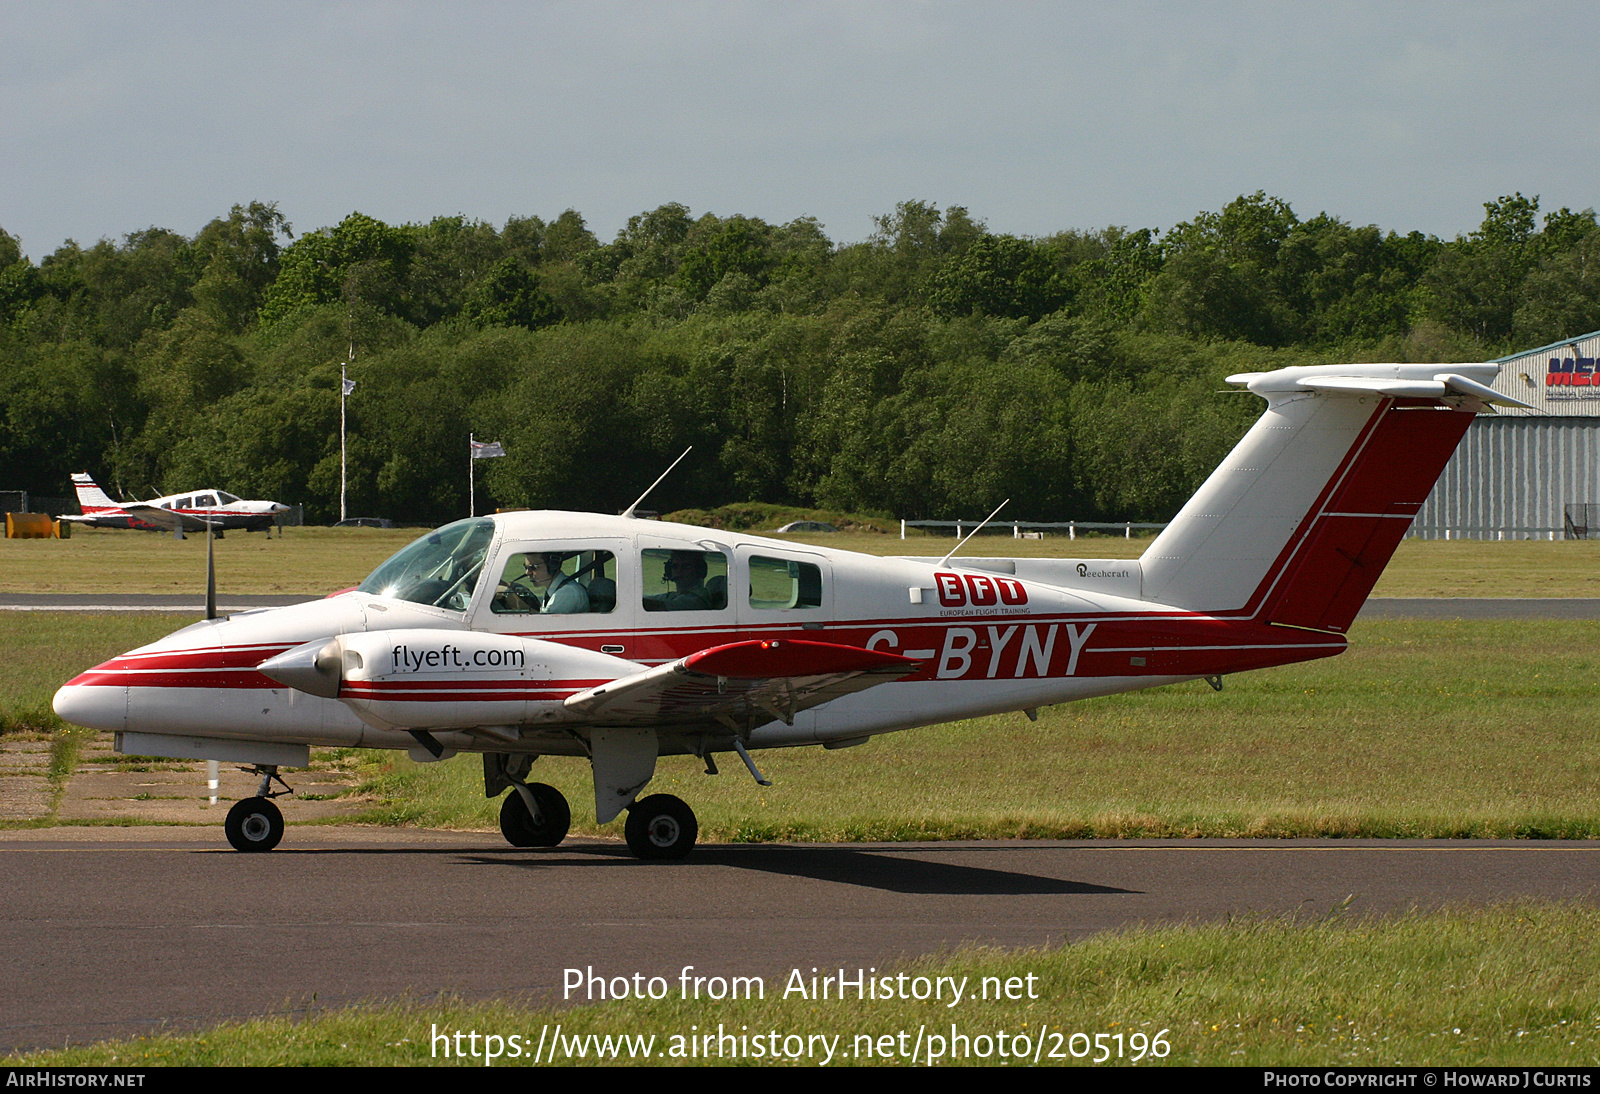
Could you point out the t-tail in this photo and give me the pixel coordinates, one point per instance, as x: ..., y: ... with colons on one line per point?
x: 1299, y: 521
x: 91, y: 499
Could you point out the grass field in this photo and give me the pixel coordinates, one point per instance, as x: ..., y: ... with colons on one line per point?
x: 1510, y: 986
x: 315, y: 561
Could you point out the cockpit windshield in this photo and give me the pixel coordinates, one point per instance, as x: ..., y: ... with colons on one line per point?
x: 440, y: 569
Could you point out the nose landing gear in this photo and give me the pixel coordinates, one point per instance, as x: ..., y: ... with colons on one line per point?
x: 255, y: 824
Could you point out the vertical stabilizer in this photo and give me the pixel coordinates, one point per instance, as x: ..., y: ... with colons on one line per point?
x: 91, y: 498
x: 1298, y: 522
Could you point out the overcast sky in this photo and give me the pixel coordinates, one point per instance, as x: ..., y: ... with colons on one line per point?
x: 1036, y: 117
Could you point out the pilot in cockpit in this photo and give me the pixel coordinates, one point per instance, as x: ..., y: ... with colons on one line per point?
x: 563, y: 594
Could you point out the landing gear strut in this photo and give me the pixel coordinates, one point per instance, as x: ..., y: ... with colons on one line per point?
x: 661, y: 827
x: 255, y: 824
x: 534, y: 815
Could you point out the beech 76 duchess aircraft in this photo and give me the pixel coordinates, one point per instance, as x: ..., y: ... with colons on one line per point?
x: 192, y: 511
x: 619, y: 639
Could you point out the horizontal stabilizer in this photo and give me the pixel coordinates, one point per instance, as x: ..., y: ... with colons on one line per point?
x: 741, y: 685
x: 1395, y: 381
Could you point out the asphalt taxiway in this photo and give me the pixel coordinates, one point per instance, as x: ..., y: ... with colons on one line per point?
x: 111, y: 932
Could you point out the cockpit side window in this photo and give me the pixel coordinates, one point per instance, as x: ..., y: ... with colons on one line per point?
x: 684, y: 580
x: 205, y: 501
x: 226, y: 498
x: 440, y: 569
x: 777, y: 583
x: 563, y: 582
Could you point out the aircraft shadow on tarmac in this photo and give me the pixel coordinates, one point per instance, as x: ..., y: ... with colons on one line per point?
x: 843, y: 866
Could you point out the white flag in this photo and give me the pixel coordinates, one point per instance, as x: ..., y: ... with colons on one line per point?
x: 487, y: 450
x: 349, y: 386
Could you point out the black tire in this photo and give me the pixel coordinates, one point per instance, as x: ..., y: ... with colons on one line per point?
x: 661, y: 827
x: 521, y: 830
x: 254, y: 824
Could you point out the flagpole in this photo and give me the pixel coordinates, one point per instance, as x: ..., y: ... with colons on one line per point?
x: 344, y: 383
x: 472, y: 486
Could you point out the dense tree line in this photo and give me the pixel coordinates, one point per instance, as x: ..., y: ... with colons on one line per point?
x: 928, y: 371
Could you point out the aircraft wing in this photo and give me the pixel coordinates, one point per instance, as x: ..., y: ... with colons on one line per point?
x: 741, y: 685
x: 168, y: 519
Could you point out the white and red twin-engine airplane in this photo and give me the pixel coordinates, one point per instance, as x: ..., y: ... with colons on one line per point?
x: 620, y: 639
x: 192, y: 511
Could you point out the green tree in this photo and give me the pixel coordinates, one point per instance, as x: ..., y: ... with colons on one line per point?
x: 509, y: 295
x: 998, y: 275
x: 359, y: 260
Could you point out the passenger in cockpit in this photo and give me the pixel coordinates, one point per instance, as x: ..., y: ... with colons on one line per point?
x: 563, y: 594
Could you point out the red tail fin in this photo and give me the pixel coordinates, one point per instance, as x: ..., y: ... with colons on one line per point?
x: 1352, y: 532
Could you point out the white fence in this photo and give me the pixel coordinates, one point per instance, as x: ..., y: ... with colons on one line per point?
x: 1018, y: 527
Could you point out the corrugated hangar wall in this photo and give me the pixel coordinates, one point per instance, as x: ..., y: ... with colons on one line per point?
x: 1512, y: 479
x: 1517, y: 471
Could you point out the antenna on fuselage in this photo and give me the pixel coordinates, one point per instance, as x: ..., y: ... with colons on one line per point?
x: 211, y: 574
x: 628, y: 512
x: 974, y: 532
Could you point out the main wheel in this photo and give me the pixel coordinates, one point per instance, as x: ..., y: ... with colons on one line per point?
x: 519, y: 827
x: 660, y: 827
x: 254, y: 824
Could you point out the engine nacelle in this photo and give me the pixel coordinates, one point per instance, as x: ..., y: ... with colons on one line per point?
x: 445, y: 679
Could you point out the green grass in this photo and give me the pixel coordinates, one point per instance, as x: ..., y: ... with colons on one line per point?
x: 1508, y: 986
x: 316, y: 561
x: 306, y: 560
x: 1500, y: 715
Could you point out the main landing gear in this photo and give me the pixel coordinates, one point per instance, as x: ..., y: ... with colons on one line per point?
x: 661, y: 827
x: 255, y: 824
x: 534, y: 815
x: 658, y: 827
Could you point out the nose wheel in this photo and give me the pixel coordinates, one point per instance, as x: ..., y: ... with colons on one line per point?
x: 254, y: 824
x: 661, y: 827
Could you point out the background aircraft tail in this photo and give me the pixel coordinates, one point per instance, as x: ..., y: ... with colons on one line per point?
x: 90, y: 497
x: 1300, y: 519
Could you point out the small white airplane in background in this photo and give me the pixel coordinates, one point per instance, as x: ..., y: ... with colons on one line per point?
x: 193, y: 511
x: 619, y: 639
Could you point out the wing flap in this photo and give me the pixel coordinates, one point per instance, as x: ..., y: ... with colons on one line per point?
x: 740, y: 685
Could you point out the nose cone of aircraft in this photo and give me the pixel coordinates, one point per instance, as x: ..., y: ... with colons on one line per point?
x: 277, y: 507
x: 95, y: 707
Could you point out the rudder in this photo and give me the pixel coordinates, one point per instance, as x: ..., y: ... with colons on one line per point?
x: 1297, y: 523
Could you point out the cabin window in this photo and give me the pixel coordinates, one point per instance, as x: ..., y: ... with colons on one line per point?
x: 183, y: 503
x: 205, y: 501
x: 784, y: 583
x: 440, y: 569
x: 559, y: 582
x: 684, y: 580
